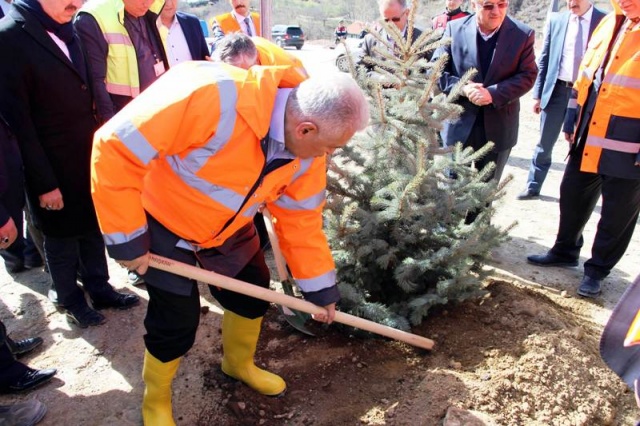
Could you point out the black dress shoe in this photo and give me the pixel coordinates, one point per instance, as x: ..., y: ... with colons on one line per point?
x: 21, y: 347
x: 85, y: 317
x: 590, y: 287
x: 117, y: 300
x: 30, y: 379
x: 527, y: 195
x: 551, y: 259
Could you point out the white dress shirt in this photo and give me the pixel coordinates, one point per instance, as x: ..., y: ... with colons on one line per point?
x: 565, y: 73
x: 242, y: 24
x: 5, y: 5
x: 175, y: 42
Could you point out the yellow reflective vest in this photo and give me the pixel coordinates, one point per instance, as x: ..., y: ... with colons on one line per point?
x: 188, y: 151
x: 122, y: 65
x: 613, y: 141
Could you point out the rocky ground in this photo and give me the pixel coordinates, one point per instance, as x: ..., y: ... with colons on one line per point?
x: 527, y: 354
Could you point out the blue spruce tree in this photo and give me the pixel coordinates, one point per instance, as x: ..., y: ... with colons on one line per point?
x: 397, y: 201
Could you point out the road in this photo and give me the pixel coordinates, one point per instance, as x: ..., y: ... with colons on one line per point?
x: 317, y: 59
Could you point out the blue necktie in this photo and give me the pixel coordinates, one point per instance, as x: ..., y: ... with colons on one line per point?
x: 578, y: 50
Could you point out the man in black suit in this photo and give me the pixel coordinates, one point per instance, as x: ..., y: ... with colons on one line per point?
x: 181, y: 35
x: 501, y: 50
x: 45, y: 98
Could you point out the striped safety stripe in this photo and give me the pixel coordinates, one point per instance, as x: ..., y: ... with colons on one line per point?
x: 614, y: 145
x: 122, y: 89
x: 309, y: 203
x: 318, y: 283
x: 118, y: 38
x: 625, y: 81
x: 135, y: 142
x: 121, y: 237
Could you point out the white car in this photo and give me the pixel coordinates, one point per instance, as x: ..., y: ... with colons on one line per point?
x: 353, y: 46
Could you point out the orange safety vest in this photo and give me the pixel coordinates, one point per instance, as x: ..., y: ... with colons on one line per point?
x: 188, y: 151
x: 271, y: 54
x: 614, y: 129
x: 229, y: 24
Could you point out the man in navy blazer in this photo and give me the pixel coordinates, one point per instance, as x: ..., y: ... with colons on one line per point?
x: 501, y: 50
x: 552, y: 89
x: 181, y: 35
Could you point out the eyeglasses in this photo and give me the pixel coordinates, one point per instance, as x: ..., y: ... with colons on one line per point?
x: 491, y: 6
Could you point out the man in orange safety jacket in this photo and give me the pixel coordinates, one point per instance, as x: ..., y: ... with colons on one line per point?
x: 603, y: 127
x: 182, y: 170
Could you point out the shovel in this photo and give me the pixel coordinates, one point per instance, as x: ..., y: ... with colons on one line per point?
x: 209, y: 277
x: 297, y: 319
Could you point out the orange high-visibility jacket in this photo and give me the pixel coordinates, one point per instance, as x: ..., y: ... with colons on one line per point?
x: 229, y: 24
x: 188, y: 151
x: 271, y: 54
x: 613, y: 143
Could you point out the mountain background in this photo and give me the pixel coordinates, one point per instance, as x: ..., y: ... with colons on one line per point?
x: 318, y: 18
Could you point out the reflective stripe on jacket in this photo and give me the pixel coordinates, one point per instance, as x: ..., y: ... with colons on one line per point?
x: 229, y: 24
x: 190, y: 145
x: 613, y: 141
x: 122, y: 65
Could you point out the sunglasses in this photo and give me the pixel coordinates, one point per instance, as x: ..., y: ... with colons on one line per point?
x: 394, y: 19
x: 491, y: 6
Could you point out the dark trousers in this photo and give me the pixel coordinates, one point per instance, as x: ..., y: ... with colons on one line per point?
x: 10, y: 369
x: 579, y: 193
x: 84, y: 254
x: 477, y: 139
x: 551, y: 119
x: 172, y: 319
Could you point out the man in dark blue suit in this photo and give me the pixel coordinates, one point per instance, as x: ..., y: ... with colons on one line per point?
x: 501, y: 50
x: 181, y: 35
x: 558, y: 63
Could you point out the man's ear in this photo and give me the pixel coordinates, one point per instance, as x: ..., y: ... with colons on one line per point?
x: 304, y: 128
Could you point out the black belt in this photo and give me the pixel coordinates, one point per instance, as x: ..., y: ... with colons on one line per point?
x: 564, y: 83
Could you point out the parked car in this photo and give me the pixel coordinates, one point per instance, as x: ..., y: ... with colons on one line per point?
x: 355, y: 49
x: 288, y: 35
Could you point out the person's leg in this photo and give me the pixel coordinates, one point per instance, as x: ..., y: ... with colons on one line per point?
x: 63, y: 256
x: 171, y: 323
x: 551, y: 119
x: 579, y: 193
x: 241, y: 326
x: 95, y: 275
x: 620, y: 209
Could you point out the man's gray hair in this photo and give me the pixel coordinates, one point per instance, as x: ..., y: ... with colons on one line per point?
x: 384, y: 4
x: 236, y: 48
x: 332, y: 102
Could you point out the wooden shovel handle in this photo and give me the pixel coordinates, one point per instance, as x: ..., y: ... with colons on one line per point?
x: 209, y: 277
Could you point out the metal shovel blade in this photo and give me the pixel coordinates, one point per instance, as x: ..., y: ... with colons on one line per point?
x: 296, y: 319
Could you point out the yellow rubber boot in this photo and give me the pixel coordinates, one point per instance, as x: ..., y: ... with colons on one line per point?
x: 239, y: 340
x: 156, y: 403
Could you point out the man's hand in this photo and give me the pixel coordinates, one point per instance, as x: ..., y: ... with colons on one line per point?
x: 139, y: 264
x: 536, y: 106
x: 8, y: 234
x: 52, y: 200
x: 477, y: 94
x: 329, y: 316
x: 568, y: 137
